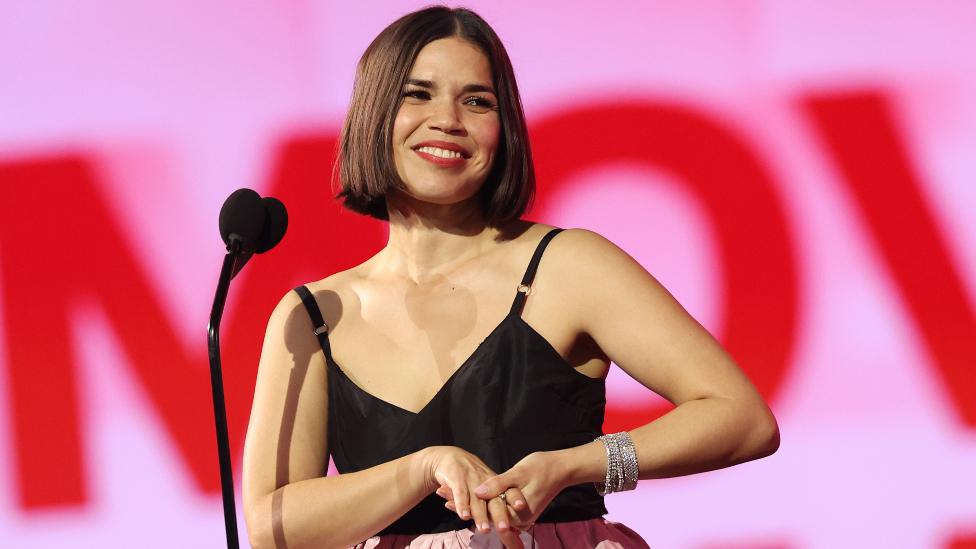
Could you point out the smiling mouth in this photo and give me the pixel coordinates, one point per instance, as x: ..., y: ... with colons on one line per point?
x: 441, y: 149
x: 439, y: 152
x: 443, y: 157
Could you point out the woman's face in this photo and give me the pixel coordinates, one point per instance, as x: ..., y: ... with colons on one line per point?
x: 446, y: 132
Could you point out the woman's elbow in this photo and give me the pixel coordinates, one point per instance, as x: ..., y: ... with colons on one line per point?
x: 756, y: 432
x: 764, y: 435
x: 258, y: 522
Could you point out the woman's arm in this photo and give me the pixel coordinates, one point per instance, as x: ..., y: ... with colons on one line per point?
x: 288, y: 500
x: 719, y: 418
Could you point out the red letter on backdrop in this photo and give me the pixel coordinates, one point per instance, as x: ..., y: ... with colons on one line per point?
x: 860, y: 134
x: 60, y: 242
x: 728, y: 179
x: 41, y: 239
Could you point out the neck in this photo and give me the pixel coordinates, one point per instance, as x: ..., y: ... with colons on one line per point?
x: 428, y: 241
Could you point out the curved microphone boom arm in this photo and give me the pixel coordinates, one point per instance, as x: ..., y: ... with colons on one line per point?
x: 249, y: 224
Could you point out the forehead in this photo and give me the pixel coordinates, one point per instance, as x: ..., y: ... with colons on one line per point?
x: 452, y: 60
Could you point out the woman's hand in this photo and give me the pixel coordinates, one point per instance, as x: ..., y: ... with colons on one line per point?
x: 458, y: 472
x: 538, y: 477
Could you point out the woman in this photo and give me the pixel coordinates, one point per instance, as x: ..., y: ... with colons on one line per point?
x: 457, y: 415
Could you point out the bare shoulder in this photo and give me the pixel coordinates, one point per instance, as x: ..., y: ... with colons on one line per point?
x: 585, y: 243
x: 582, y: 256
x: 335, y: 293
x: 602, y: 279
x: 290, y: 326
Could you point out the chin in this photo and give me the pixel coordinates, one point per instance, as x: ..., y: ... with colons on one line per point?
x: 438, y: 196
x: 444, y: 200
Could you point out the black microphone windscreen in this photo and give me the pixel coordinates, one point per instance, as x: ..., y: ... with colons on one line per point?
x: 243, y: 215
x: 275, y: 224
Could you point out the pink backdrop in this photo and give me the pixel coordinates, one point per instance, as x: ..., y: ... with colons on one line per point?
x: 799, y: 174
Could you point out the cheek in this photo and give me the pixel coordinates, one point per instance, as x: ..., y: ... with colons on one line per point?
x: 402, y: 125
x: 489, y: 135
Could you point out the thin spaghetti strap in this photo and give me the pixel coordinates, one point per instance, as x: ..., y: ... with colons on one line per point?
x: 320, y: 328
x: 525, y: 288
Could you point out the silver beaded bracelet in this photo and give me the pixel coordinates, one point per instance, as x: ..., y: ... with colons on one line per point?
x: 622, y: 467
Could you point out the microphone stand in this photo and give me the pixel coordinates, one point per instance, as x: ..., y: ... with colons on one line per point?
x: 233, y: 262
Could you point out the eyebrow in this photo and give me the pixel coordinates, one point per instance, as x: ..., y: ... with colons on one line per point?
x: 470, y: 88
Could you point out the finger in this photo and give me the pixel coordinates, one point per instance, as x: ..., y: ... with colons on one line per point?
x: 502, y: 520
x: 520, y: 513
x: 508, y: 534
x: 444, y: 492
x: 515, y: 498
x: 494, y: 486
x: 479, y: 511
x: 461, y: 501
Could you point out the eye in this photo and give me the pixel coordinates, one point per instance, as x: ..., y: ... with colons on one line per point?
x: 481, y: 104
x: 422, y: 95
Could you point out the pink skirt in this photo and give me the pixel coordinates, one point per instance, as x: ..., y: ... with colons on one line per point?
x: 596, y: 533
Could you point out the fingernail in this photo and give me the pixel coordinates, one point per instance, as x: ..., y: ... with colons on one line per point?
x: 485, y: 527
x: 519, y: 504
x: 502, y: 525
x: 466, y: 514
x: 481, y: 490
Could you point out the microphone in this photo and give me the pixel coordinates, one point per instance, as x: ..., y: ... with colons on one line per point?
x: 275, y: 224
x: 250, y: 224
x: 241, y: 220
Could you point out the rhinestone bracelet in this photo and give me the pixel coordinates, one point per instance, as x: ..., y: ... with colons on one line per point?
x: 622, y: 467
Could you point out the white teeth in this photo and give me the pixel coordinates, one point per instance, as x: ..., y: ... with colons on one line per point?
x: 442, y: 153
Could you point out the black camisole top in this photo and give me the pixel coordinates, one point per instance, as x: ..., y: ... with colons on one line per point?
x: 513, y: 396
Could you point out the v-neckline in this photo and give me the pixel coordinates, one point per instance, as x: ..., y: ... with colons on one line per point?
x: 464, y: 364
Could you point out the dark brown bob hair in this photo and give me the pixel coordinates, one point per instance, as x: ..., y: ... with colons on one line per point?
x: 366, y: 167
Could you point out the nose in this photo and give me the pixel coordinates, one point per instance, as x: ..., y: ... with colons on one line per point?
x: 444, y: 117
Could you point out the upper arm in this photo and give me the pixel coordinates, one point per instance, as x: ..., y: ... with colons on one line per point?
x: 286, y: 435
x: 639, y: 325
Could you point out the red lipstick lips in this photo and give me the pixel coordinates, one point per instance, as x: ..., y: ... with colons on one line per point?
x: 440, y: 160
